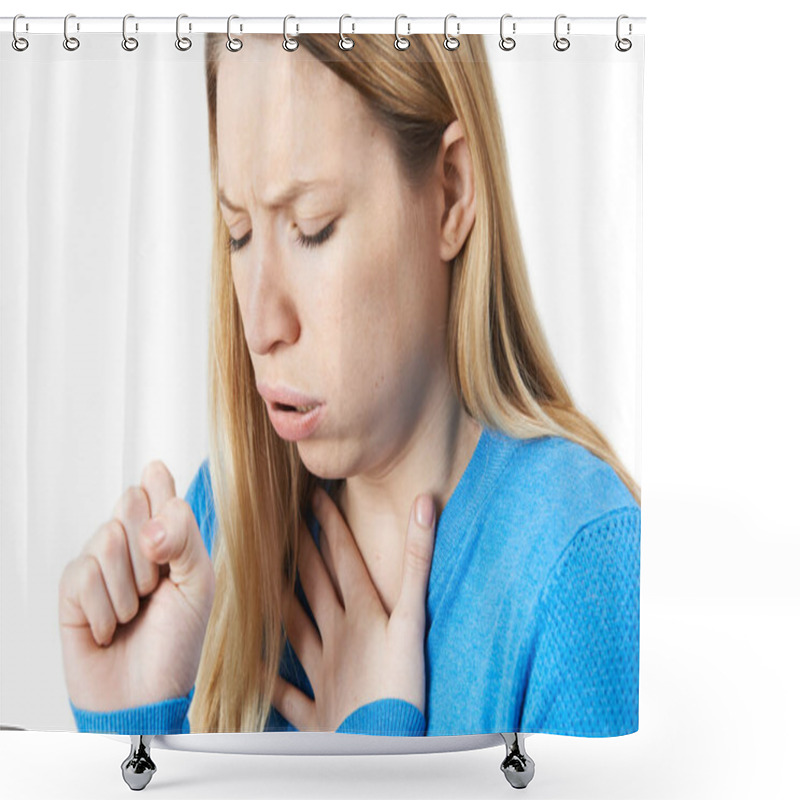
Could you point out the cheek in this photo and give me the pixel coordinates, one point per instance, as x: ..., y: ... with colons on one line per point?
x: 241, y: 292
x: 367, y: 322
x: 386, y: 319
x: 239, y: 273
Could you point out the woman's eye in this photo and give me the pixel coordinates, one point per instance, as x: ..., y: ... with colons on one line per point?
x: 318, y: 238
x: 306, y: 241
x: 237, y: 244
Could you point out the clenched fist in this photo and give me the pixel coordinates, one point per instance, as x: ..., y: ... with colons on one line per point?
x: 134, y: 605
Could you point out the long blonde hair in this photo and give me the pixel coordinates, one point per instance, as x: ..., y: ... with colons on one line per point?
x: 499, y: 362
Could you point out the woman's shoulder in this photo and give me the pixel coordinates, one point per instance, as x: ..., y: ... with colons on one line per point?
x: 550, y: 490
x: 556, y: 471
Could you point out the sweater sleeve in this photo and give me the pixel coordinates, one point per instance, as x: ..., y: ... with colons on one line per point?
x: 165, y: 717
x: 583, y: 677
x: 389, y: 716
x: 171, y: 715
x: 385, y: 717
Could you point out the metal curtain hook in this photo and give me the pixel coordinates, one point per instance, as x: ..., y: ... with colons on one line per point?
x: 233, y: 44
x: 561, y: 43
x: 18, y: 42
x: 400, y: 42
x: 289, y: 42
x: 128, y: 42
x: 623, y: 45
x: 182, y: 42
x: 506, y: 42
x: 345, y: 42
x: 450, y: 42
x: 70, y: 42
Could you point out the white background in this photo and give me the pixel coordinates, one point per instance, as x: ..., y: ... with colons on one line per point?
x: 719, y: 699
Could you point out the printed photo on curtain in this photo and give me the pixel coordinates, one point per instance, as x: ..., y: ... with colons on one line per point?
x: 320, y: 385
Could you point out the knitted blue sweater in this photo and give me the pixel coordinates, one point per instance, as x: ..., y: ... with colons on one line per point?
x: 532, y: 609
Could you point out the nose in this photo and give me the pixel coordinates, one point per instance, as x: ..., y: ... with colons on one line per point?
x: 266, y: 300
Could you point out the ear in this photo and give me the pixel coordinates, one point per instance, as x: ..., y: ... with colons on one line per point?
x: 458, y: 191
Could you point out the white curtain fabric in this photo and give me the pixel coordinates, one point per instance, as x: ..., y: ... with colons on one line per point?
x: 105, y: 246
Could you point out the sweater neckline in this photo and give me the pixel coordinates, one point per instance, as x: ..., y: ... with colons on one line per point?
x: 471, y: 492
x: 488, y: 459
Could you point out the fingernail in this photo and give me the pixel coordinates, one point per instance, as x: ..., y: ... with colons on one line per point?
x: 425, y: 511
x: 155, y: 532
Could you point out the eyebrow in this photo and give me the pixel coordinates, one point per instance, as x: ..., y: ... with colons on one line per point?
x: 292, y: 192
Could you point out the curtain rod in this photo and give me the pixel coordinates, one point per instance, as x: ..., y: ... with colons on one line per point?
x: 456, y: 26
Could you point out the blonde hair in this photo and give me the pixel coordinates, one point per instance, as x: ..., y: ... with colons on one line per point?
x: 499, y: 362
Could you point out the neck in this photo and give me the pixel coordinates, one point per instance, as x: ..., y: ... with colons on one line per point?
x: 377, y: 507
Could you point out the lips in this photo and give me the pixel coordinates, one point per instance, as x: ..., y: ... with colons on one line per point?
x: 294, y: 415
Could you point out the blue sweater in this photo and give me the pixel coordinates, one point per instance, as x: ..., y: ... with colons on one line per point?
x: 532, y: 609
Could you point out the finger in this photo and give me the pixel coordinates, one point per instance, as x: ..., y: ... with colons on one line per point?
x: 159, y: 486
x: 303, y: 636
x: 181, y: 546
x: 316, y: 581
x: 417, y: 559
x: 351, y: 572
x: 158, y: 483
x: 110, y: 550
x: 84, y: 601
x: 327, y: 558
x: 294, y: 705
x: 133, y: 510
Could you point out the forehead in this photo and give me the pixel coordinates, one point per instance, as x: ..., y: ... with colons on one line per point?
x: 280, y: 115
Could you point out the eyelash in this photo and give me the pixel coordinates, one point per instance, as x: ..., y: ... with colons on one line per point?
x: 305, y: 241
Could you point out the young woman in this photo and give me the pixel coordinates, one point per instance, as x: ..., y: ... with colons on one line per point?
x: 404, y: 526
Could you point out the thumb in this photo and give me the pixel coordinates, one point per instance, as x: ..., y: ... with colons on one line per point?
x: 418, y: 557
x: 172, y: 537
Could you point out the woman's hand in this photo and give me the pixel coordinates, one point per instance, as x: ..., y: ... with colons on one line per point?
x: 363, y: 655
x: 133, y: 608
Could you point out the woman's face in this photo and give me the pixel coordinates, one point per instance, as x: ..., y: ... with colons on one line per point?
x: 335, y: 261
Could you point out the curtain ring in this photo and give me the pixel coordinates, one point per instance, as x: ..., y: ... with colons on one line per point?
x: 18, y: 42
x: 450, y: 42
x: 70, y: 42
x: 345, y: 42
x: 289, y: 42
x: 183, y: 43
x: 623, y: 45
x: 561, y: 43
x: 234, y: 45
x: 128, y: 42
x: 400, y: 42
x: 506, y: 42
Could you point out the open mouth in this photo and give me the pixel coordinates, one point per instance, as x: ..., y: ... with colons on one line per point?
x: 296, y: 409
x: 294, y: 423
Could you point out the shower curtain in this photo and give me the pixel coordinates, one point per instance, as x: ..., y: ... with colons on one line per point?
x: 354, y: 323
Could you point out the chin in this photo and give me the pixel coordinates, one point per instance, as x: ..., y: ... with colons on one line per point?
x: 324, y: 459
